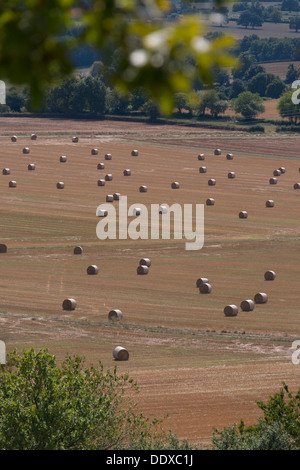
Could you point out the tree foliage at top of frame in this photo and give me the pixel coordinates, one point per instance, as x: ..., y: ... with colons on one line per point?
x: 161, y: 56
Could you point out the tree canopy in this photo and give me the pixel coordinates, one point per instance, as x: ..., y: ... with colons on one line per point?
x: 295, y: 23
x: 72, y: 406
x: 248, y: 104
x: 286, y: 107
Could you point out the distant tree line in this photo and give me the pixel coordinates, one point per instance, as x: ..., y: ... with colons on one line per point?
x: 253, y: 15
x: 270, y: 49
x: 83, y: 96
x: 92, y: 95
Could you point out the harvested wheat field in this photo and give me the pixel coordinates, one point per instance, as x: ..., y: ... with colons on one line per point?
x: 192, y: 363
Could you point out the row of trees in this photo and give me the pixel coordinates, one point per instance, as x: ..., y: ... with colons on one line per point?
x: 90, y: 96
x: 255, y: 14
x: 94, y: 96
x: 147, y: 63
x: 77, y: 96
x: 45, y: 405
x: 250, y: 76
x: 248, y: 18
x: 264, y: 11
x: 248, y: 104
x: 270, y: 49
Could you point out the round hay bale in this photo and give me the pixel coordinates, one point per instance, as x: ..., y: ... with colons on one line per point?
x: 115, y: 315
x: 108, y: 177
x: 33, y: 137
x: 247, y: 305
x: 12, y: 184
x: 260, y: 298
x: 297, y: 186
x: 229, y: 156
x: 100, y: 166
x: 211, y: 182
x: 78, y: 250
x: 201, y: 156
x: 282, y: 169
x: 175, y: 185
x: 218, y: 152
x: 205, y: 288
x: 127, y: 172
x: 60, y: 185
x: 63, y: 159
x: 276, y: 172
x: 202, y: 169
x: 162, y: 209
x: 134, y: 153
x: 3, y: 248
x: 109, y: 198
x: 120, y: 354
x: 94, y: 152
x: 69, y: 304
x: 116, y: 196
x: 6, y: 171
x: 210, y: 202
x: 75, y: 139
x: 142, y: 269
x: 92, y: 269
x: 145, y: 262
x: 273, y: 180
x: 14, y: 138
x: 201, y: 280
x: 108, y: 156
x: 101, y: 182
x: 270, y: 203
x: 243, y: 215
x: 31, y: 166
x: 143, y: 189
x: 270, y: 275
x: 231, y: 311
x: 26, y: 150
x: 102, y: 213
x: 231, y: 175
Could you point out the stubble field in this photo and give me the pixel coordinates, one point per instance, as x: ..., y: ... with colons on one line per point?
x: 192, y: 363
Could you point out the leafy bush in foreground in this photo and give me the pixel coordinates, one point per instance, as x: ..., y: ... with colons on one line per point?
x: 279, y: 429
x: 44, y: 406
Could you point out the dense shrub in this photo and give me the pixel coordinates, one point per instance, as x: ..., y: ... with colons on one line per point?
x: 257, y: 128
